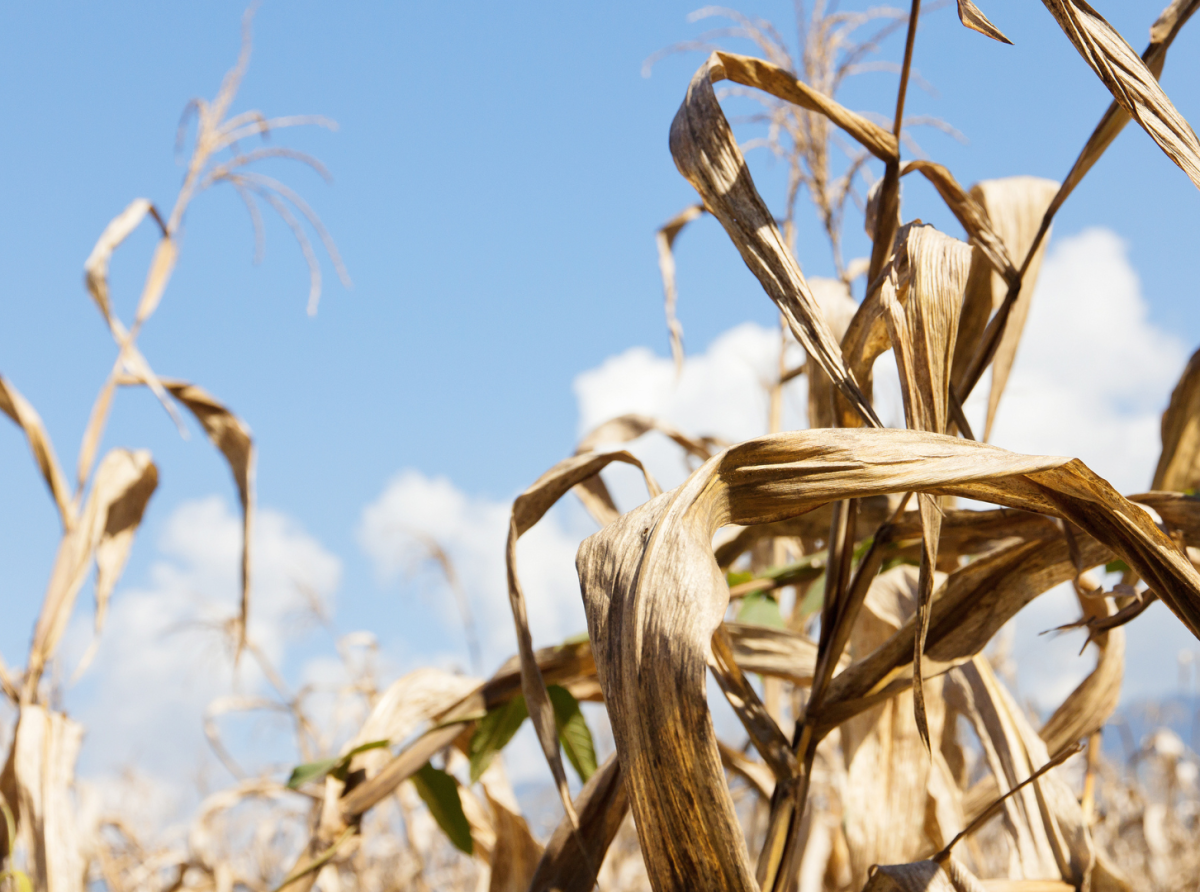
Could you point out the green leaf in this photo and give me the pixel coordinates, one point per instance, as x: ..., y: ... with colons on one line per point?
x: 310, y: 771
x: 737, y: 577
x: 573, y: 732
x: 578, y: 638
x: 1117, y: 566
x: 759, y: 609
x: 812, y: 600
x: 314, y: 771
x: 439, y: 791
x: 494, y: 732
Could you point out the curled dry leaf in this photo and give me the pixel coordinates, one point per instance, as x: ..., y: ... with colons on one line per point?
x: 1043, y: 821
x: 232, y: 437
x: 970, y: 213
x: 655, y: 595
x: 1179, y: 462
x: 923, y: 329
x: 95, y: 268
x: 1162, y: 35
x: 96, y: 278
x: 971, y: 16
x: 838, y: 308
x: 593, y: 492
x: 26, y: 417
x: 1016, y: 207
x: 233, y: 440
x: 708, y: 156
x: 601, y: 805
x: 124, y: 483
x: 899, y: 801
x: 1111, y: 124
x: 1131, y: 82
x: 528, y: 508
x: 665, y: 240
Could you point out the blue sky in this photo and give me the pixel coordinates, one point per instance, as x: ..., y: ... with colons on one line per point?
x: 498, y: 175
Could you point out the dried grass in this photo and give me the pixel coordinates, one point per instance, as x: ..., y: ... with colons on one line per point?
x: 883, y: 749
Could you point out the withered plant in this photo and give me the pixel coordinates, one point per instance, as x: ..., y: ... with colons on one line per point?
x: 826, y: 578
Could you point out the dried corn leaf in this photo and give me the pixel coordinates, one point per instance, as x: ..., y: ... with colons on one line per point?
x: 124, y: 483
x: 1162, y: 35
x: 838, y: 308
x: 1131, y: 83
x: 26, y: 417
x: 886, y: 801
x: 517, y: 853
x: 762, y: 75
x: 966, y: 612
x: 601, y: 805
x: 408, y: 703
x: 665, y: 240
x: 777, y: 653
x: 96, y: 266
x: 232, y: 437
x: 971, y: 16
x: 1043, y: 821
x: 593, y: 492
x: 708, y: 156
x: 655, y: 595
x: 764, y: 732
x: 1179, y: 463
x: 528, y: 508
x: 96, y: 279
x: 162, y: 264
x: 1016, y: 207
x: 923, y: 331
x: 971, y: 214
x: 44, y: 753
x: 968, y: 373
x: 922, y: 876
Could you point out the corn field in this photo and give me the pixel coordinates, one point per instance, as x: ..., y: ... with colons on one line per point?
x: 844, y: 585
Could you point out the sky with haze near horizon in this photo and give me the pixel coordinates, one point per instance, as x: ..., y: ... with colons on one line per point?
x: 498, y: 174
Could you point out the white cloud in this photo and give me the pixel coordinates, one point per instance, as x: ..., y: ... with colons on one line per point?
x: 161, y: 659
x: 473, y: 531
x: 1091, y: 379
x: 1092, y: 374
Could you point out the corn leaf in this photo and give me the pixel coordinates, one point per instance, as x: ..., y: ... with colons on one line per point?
x: 573, y: 732
x: 439, y: 791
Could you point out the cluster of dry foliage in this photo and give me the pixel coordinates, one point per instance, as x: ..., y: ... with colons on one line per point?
x: 884, y: 751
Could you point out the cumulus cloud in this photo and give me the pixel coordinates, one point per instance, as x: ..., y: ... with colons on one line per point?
x: 1091, y: 379
x: 473, y: 531
x: 1093, y: 374
x: 161, y: 657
